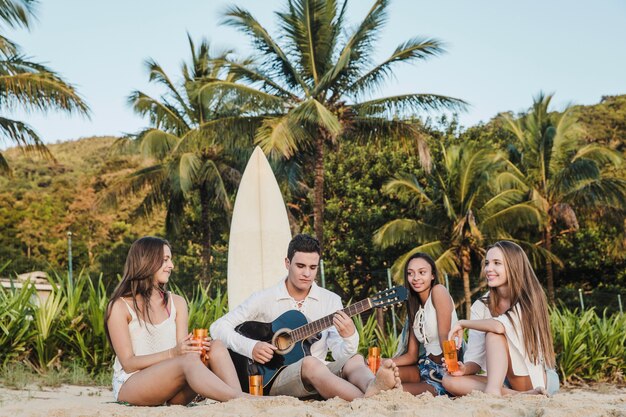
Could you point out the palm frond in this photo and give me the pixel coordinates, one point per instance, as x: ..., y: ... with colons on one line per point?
x: 17, y: 13
x: 599, y: 154
x: 253, y: 75
x: 235, y: 131
x: 601, y: 192
x: 511, y: 218
x: 162, y: 115
x: 473, y: 165
x: 40, y: 91
x: 281, y: 136
x: 125, y: 145
x: 357, y: 51
x: 508, y: 180
x: 310, y: 28
x: 314, y: 113
x: 189, y: 166
x: 406, y: 184
x: 156, y: 143
x: 23, y: 136
x: 403, y: 231
x: 411, y: 50
x: 152, y: 177
x: 537, y: 255
x: 276, y: 59
x: 501, y: 200
x: 158, y: 75
x: 573, y: 176
x: 212, y: 175
x: 7, y: 47
x: 245, y: 97
x: 407, y: 105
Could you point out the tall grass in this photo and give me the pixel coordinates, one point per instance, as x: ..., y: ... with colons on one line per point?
x: 67, y: 332
x: 589, y: 346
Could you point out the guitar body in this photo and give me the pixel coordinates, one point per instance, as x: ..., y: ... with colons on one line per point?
x: 264, y: 332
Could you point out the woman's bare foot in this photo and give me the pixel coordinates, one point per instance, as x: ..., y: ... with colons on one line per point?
x: 387, y: 377
x: 536, y: 391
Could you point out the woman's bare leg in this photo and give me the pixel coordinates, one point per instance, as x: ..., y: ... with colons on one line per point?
x: 222, y: 365
x: 411, y: 381
x: 183, y: 397
x: 164, y: 381
x: 499, y: 366
x: 409, y: 374
x: 463, y: 385
x: 498, y: 362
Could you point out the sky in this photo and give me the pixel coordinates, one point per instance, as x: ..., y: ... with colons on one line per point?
x: 499, y: 53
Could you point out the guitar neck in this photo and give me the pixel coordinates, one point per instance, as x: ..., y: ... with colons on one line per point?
x: 324, y: 323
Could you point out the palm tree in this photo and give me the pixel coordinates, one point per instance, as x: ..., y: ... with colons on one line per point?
x: 562, y: 175
x: 189, y: 159
x: 28, y: 85
x: 311, y: 80
x: 467, y: 200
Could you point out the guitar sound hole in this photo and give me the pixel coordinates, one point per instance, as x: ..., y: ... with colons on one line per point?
x: 283, y: 342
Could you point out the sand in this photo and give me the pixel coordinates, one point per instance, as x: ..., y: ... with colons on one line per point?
x: 74, y: 401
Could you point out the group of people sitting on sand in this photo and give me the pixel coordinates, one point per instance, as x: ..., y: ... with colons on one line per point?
x: 509, y: 349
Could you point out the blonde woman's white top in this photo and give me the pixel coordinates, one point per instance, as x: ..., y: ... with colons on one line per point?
x: 520, y: 362
x: 146, y: 338
x: 426, y: 329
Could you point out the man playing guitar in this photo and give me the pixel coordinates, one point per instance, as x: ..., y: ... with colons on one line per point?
x: 347, y: 377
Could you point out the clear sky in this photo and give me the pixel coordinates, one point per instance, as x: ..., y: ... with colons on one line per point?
x: 499, y: 53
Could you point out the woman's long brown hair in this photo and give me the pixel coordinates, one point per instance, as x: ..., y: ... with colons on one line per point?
x: 145, y: 258
x: 527, y: 293
x: 414, y: 303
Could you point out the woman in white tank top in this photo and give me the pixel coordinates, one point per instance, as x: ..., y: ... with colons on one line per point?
x: 156, y: 360
x: 431, y: 314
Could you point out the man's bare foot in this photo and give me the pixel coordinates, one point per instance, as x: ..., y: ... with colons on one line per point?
x: 387, y: 377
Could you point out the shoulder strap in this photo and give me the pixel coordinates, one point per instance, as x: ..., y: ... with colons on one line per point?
x: 130, y: 309
x: 172, y: 312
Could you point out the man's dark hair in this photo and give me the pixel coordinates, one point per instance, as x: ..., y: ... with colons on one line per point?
x: 303, y: 243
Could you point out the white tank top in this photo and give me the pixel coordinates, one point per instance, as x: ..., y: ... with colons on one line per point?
x: 147, y: 338
x: 425, y: 327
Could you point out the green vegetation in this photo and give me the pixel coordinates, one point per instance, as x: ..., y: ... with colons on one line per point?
x: 52, y: 337
x: 561, y: 175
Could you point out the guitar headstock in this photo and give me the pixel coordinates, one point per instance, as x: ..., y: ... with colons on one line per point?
x: 389, y: 297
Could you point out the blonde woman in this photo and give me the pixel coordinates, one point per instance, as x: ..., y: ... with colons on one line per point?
x: 156, y: 361
x: 509, y: 331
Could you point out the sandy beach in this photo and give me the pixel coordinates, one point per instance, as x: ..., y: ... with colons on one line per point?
x: 75, y: 401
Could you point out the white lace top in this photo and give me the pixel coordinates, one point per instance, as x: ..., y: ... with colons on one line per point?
x: 146, y: 338
x: 425, y: 327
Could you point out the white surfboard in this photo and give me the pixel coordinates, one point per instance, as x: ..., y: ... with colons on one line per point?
x: 259, y: 232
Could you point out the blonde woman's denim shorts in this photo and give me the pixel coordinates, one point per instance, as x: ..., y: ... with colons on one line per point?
x: 552, y: 381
